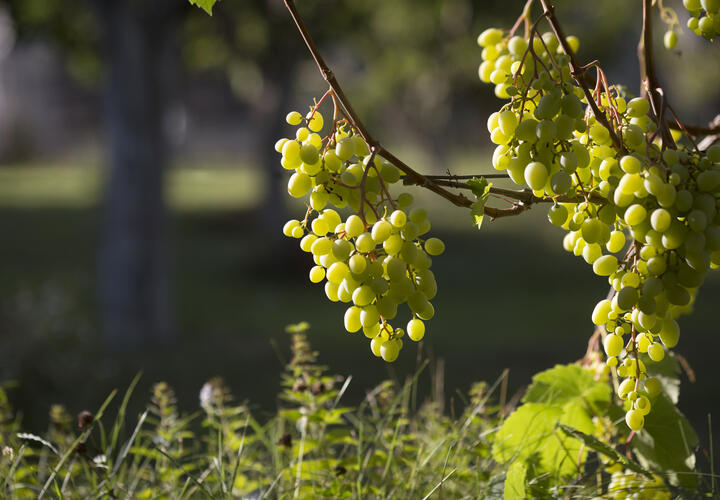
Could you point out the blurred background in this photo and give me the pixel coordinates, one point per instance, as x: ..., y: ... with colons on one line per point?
x: 141, y: 199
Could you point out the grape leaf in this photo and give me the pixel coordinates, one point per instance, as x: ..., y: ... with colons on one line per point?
x: 531, y: 430
x: 206, y: 5
x: 481, y: 189
x: 666, y: 442
x: 566, y: 383
x: 515, y: 481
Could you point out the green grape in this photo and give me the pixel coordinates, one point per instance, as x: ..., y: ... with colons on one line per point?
x: 317, y: 274
x: 320, y: 227
x: 605, y: 265
x: 416, y: 329
x: 357, y: 263
x: 601, y: 312
x: 670, y: 333
x: 613, y: 344
x: 557, y: 215
x: 434, y: 246
x: 316, y: 121
x: 369, y: 316
x: 299, y: 185
x: 398, y: 218
x: 352, y: 319
x: 381, y: 231
x: 364, y: 243
x: 508, y: 122
x: 656, y: 352
x: 670, y: 39
x: 627, y: 297
x: 345, y: 149
x: 390, y: 350
x: 337, y: 272
x: 535, y: 175
x: 635, y: 420
x: 393, y: 244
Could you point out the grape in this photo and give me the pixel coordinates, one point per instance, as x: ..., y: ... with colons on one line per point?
x: 535, y: 175
x: 434, y: 246
x: 381, y: 231
x: 317, y: 274
x: 670, y: 39
x: 352, y: 319
x: 635, y: 420
x: 299, y: 185
x: 293, y: 118
x: 315, y: 122
x: 390, y: 350
x: 416, y: 329
x: 613, y: 345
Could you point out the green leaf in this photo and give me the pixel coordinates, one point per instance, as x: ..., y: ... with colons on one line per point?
x: 515, y: 481
x: 206, y: 5
x: 481, y: 189
x: 605, y: 449
x: 531, y: 430
x: 566, y: 383
x: 666, y: 442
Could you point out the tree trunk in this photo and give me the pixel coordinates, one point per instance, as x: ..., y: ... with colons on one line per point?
x: 133, y: 274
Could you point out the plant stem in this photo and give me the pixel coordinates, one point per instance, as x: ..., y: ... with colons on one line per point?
x: 577, y: 71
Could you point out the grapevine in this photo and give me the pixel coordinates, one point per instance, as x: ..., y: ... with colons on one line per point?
x: 635, y: 188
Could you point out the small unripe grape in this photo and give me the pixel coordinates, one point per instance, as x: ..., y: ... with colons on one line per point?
x: 390, y: 350
x: 613, y: 344
x: 354, y: 226
x: 630, y: 164
x: 317, y: 273
x: 398, y: 218
x: 369, y: 316
x: 670, y: 39
x: 605, y: 265
x: 381, y: 231
x: 434, y: 246
x: 352, y: 319
x: 635, y: 420
x: 627, y: 297
x: 293, y: 118
x: 299, y: 185
x: 616, y: 242
x: 393, y: 244
x: 670, y: 333
x: 557, y: 215
x: 656, y: 352
x: 416, y: 329
x: 536, y: 175
x: 309, y: 154
x: 316, y: 121
x: 357, y: 263
x: 635, y: 214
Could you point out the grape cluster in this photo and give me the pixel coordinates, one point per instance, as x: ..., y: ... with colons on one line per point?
x: 376, y: 257
x: 704, y: 17
x: 642, y: 212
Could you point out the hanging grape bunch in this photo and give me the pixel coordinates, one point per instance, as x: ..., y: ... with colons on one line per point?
x: 639, y: 201
x: 376, y: 257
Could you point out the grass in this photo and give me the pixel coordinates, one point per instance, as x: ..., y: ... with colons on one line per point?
x: 390, y: 445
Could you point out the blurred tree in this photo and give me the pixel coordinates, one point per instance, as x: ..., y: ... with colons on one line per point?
x: 132, y: 45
